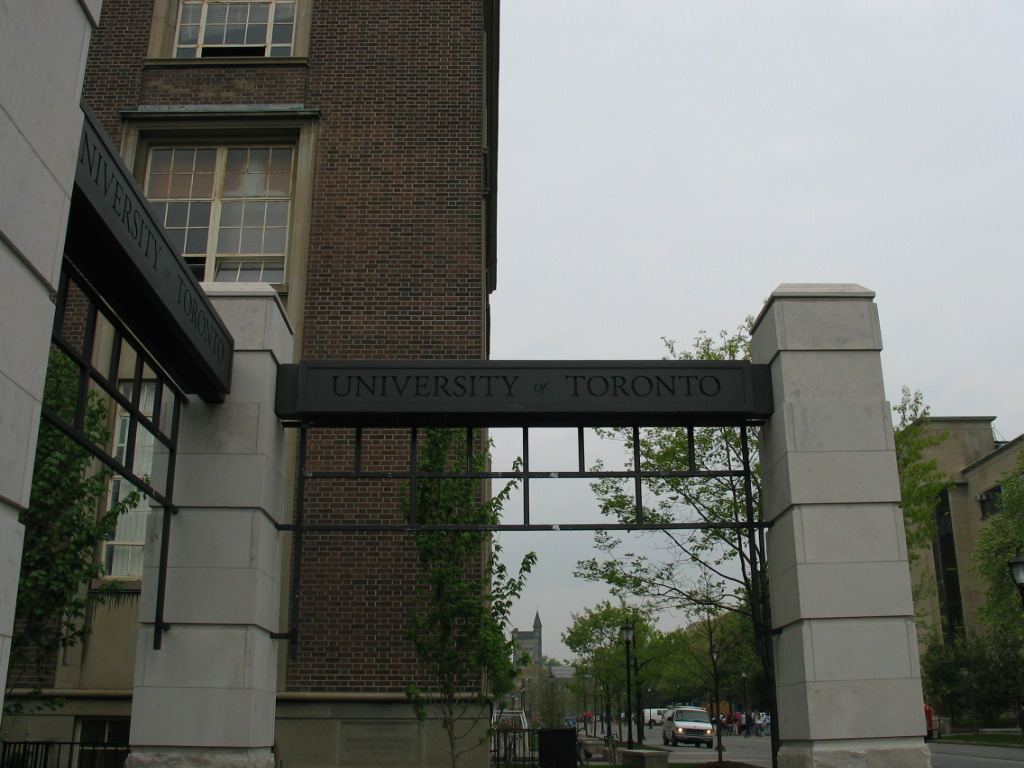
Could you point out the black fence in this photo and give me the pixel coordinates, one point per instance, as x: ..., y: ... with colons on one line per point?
x: 512, y: 747
x: 62, y: 754
x: 535, y: 748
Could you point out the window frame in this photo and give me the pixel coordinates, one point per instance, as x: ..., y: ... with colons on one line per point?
x: 988, y: 501
x: 163, y: 37
x: 143, y: 443
x: 203, y: 15
x: 219, y: 203
x: 146, y: 128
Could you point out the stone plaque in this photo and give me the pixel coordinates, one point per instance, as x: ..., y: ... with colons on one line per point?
x: 375, y: 743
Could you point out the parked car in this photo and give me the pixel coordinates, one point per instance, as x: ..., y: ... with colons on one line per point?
x: 654, y: 716
x: 687, y: 725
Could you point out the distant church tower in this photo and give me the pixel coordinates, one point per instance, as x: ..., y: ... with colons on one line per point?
x: 529, y: 643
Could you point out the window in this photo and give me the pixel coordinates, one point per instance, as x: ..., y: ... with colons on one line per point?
x: 210, y: 28
x: 947, y: 571
x: 112, y: 730
x: 103, y: 742
x: 226, y: 208
x: 122, y: 555
x: 989, y: 501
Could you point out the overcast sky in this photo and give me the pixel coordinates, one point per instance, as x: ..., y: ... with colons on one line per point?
x: 666, y: 164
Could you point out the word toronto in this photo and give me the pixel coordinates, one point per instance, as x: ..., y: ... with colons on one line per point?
x: 141, y: 250
x: 208, y: 329
x: 435, y: 385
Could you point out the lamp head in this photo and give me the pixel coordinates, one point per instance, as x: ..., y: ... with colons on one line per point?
x: 627, y: 632
x: 1017, y: 572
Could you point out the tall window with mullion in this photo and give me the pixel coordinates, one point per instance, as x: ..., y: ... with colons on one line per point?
x: 210, y: 28
x: 226, y: 208
x: 122, y: 555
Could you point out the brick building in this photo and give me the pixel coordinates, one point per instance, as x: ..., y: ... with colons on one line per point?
x: 950, y: 592
x: 344, y: 152
x: 530, y: 642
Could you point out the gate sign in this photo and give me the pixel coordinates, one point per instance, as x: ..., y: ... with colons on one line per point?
x: 115, y: 241
x: 502, y: 393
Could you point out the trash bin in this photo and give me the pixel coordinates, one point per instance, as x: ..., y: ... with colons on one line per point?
x: 556, y: 747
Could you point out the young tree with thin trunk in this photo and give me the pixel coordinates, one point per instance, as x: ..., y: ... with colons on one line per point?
x: 68, y: 517
x: 459, y: 624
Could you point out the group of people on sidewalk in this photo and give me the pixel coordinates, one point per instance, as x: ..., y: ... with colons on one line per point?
x: 745, y: 724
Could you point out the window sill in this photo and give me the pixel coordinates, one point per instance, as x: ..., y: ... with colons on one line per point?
x: 233, y: 111
x: 129, y: 584
x: 228, y: 61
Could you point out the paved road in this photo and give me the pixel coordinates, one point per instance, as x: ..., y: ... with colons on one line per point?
x: 758, y: 752
x: 746, y: 750
x: 947, y: 755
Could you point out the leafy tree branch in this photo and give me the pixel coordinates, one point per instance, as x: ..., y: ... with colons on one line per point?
x: 65, y: 522
x: 464, y: 594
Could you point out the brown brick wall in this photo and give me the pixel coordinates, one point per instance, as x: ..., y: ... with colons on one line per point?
x: 174, y: 84
x: 395, y: 258
x: 116, y: 54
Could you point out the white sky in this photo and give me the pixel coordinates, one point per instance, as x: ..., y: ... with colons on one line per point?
x: 665, y: 164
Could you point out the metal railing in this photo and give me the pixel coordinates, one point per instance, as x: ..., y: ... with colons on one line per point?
x: 513, y: 747
x: 62, y: 754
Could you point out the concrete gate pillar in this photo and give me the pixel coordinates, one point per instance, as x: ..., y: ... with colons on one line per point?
x: 848, y: 679
x: 40, y: 122
x: 208, y: 696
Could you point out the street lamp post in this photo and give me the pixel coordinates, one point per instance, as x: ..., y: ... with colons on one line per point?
x: 745, y: 709
x: 1017, y: 572
x: 627, y: 638
x: 638, y: 702
x: 718, y: 703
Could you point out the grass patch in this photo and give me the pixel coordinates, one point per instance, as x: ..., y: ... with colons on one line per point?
x: 1002, y: 739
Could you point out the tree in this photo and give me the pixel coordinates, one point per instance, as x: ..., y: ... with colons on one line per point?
x: 976, y: 675
x: 921, y: 481
x: 459, y: 624
x: 64, y: 524
x: 984, y: 674
x: 722, y: 553
x: 717, y: 569
x: 595, y: 637
x: 716, y: 645
x: 723, y: 569
x: 675, y: 675
x: 1000, y: 540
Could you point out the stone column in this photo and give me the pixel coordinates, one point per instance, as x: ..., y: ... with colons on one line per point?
x: 40, y: 124
x: 848, y: 678
x: 208, y: 696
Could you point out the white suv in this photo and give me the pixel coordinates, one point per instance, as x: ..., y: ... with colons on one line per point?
x: 687, y: 725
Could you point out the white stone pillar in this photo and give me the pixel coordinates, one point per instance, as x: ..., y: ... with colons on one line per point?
x: 848, y: 678
x: 208, y: 696
x: 40, y: 125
